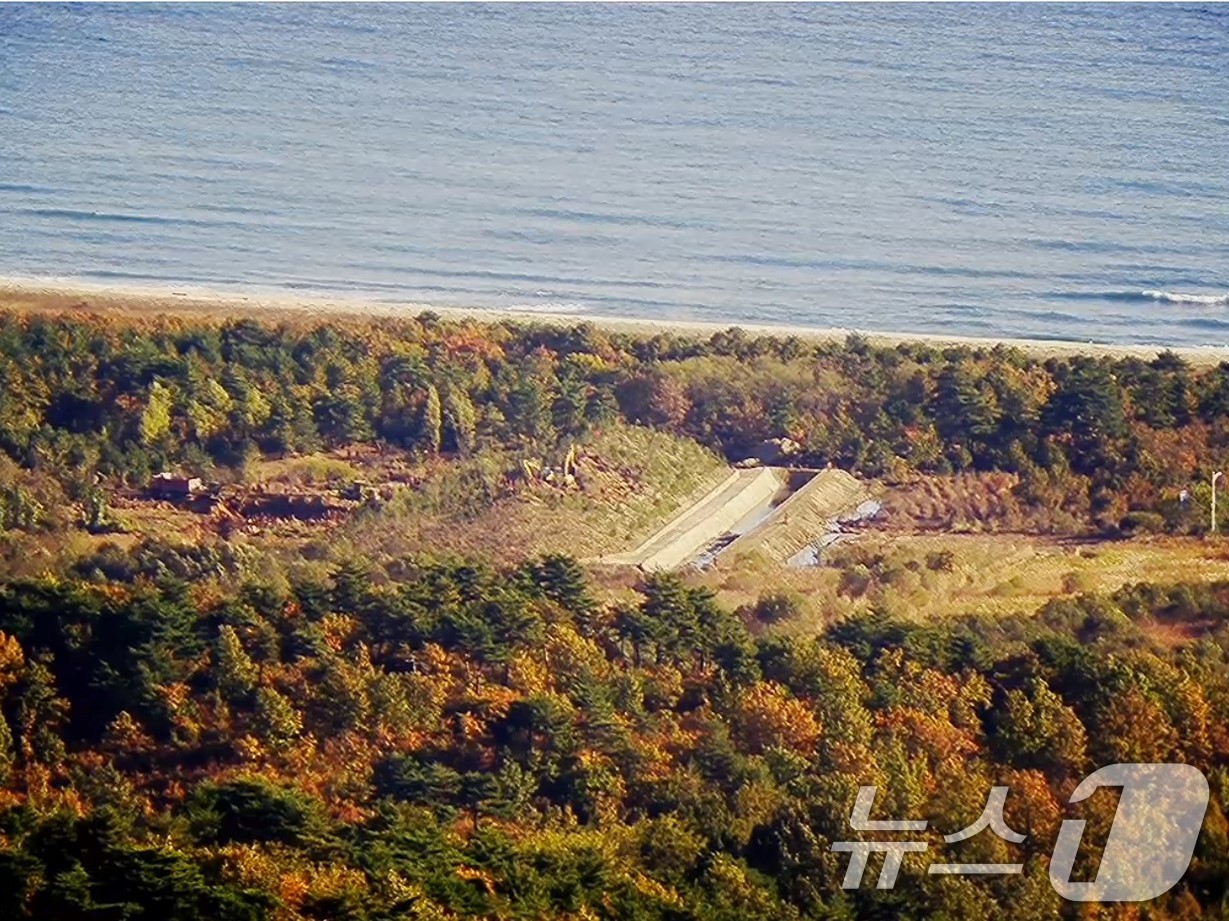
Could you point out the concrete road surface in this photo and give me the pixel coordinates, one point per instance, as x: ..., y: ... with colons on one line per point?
x: 741, y: 494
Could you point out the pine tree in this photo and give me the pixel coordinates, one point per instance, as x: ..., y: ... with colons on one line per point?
x: 96, y: 516
x: 965, y: 416
x: 7, y: 755
x: 433, y: 421
x: 277, y: 721
x: 670, y: 614
x: 237, y: 672
x: 1034, y: 728
x: 561, y: 579
x: 156, y: 418
x: 460, y: 419
x: 476, y: 789
x: 514, y: 791
x: 41, y: 715
x: 1087, y: 410
x: 529, y: 411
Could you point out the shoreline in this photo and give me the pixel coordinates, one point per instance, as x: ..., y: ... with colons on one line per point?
x: 56, y: 295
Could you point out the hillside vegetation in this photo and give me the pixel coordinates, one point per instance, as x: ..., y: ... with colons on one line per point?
x: 363, y: 675
x: 628, y: 481
x: 1090, y: 444
x: 467, y: 742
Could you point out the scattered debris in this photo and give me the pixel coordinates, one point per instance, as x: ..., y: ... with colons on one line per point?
x: 838, y: 529
x: 540, y: 471
x: 774, y: 452
x: 171, y: 486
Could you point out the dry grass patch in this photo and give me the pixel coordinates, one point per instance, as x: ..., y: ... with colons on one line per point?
x: 628, y: 481
x: 932, y: 576
x: 969, y: 503
x: 312, y: 470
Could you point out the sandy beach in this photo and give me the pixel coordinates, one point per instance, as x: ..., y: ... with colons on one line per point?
x: 70, y: 295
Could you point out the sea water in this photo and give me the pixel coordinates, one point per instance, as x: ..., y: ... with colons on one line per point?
x: 1027, y: 171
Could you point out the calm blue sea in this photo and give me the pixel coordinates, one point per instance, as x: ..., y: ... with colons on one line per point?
x: 1040, y: 171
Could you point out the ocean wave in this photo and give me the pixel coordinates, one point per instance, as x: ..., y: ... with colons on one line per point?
x: 1172, y: 297
x: 1205, y: 323
x: 1165, y: 297
x: 86, y: 217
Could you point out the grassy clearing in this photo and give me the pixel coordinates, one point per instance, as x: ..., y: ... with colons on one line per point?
x: 314, y: 470
x: 928, y: 577
x: 1012, y: 574
x: 629, y: 480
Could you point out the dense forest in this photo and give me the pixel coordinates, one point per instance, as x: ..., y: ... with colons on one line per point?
x: 1098, y: 444
x: 435, y: 737
x: 464, y: 742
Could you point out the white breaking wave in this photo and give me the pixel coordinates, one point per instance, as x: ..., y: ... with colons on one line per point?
x: 1176, y: 297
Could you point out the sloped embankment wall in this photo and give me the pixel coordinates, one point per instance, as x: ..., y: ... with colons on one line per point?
x: 803, y: 517
x: 741, y: 494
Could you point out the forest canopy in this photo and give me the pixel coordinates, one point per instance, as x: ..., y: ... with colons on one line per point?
x: 1093, y: 440
x: 185, y: 734
x: 471, y: 742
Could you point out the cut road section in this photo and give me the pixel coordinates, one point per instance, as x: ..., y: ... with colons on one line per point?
x: 743, y: 493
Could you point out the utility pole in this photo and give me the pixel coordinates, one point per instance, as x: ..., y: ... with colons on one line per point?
x: 1215, y: 476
